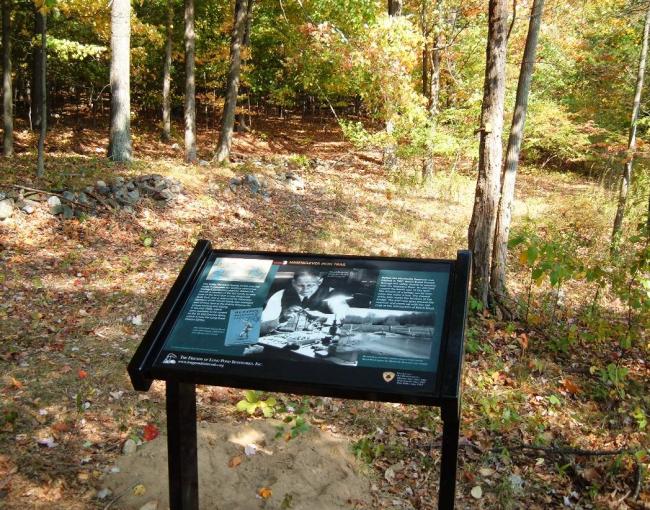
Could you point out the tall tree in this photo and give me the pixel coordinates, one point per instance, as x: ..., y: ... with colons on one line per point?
x: 232, y: 86
x: 484, y: 215
x: 119, y: 148
x: 40, y: 160
x: 631, y: 145
x: 500, y: 251
x: 7, y: 95
x: 394, y: 7
x: 38, y: 75
x: 241, y: 122
x: 190, y: 85
x: 167, y: 80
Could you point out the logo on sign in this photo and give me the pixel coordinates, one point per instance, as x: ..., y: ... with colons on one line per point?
x: 388, y: 376
x: 170, y: 359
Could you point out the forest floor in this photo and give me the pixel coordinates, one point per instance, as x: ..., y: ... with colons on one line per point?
x: 76, y: 297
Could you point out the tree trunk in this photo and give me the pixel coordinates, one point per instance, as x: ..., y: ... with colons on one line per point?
x: 482, y: 226
x: 37, y: 74
x: 500, y: 251
x: 631, y: 146
x: 7, y: 95
x: 167, y: 80
x: 394, y: 7
x: 434, y: 80
x: 425, y: 70
x: 119, y: 147
x: 40, y: 160
x: 190, y: 85
x: 241, y: 121
x: 232, y: 87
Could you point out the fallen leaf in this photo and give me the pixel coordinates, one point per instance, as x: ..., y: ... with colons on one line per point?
x: 82, y: 374
x: 139, y: 490
x: 60, y: 426
x: 264, y: 493
x: 571, y: 387
x: 151, y: 432
x: 477, y: 492
x: 234, y: 462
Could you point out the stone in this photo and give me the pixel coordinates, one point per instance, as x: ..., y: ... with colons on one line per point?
x: 130, y: 186
x: 160, y: 185
x: 68, y: 195
x: 203, y: 162
x: 133, y: 196
x: 54, y: 204
x: 166, y: 195
x: 129, y: 447
x: 176, y: 147
x: 89, y: 189
x: 27, y: 209
x: 102, y: 187
x: 175, y: 188
x: 150, y: 505
x: 128, y: 209
x: 68, y: 212
x: 82, y: 198
x: 6, y: 208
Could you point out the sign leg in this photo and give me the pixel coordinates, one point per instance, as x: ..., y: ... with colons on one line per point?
x: 449, y: 459
x: 182, y: 446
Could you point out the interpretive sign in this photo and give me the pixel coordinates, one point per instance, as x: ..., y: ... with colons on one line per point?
x: 353, y: 327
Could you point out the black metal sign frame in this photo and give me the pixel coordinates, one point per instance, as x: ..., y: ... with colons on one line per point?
x: 181, y: 382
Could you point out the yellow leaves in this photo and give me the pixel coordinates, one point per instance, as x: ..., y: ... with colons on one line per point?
x: 139, y: 490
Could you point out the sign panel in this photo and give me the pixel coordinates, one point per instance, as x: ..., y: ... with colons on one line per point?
x: 373, y: 324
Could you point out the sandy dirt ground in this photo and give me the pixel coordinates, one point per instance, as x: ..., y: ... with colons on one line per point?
x: 314, y: 471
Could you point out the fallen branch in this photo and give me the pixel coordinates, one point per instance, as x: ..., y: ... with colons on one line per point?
x: 45, y: 192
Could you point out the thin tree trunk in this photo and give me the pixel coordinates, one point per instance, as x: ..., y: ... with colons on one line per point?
x: 631, y: 146
x: 241, y: 121
x: 167, y: 80
x: 434, y: 80
x: 40, y: 161
x: 394, y: 7
x: 500, y: 251
x: 119, y: 148
x: 484, y: 215
x: 7, y: 95
x: 190, y: 85
x: 425, y: 70
x: 37, y: 74
x: 232, y: 87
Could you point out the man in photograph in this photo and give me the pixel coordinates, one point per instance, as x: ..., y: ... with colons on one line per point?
x: 305, y: 299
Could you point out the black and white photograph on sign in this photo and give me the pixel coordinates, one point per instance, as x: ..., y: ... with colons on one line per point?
x: 325, y: 316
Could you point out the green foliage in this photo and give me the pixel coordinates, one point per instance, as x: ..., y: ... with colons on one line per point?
x: 553, y: 133
x: 367, y: 449
x: 614, y: 375
x: 252, y: 402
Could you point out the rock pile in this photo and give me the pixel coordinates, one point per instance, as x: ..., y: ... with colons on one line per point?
x: 254, y: 184
x: 120, y: 194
